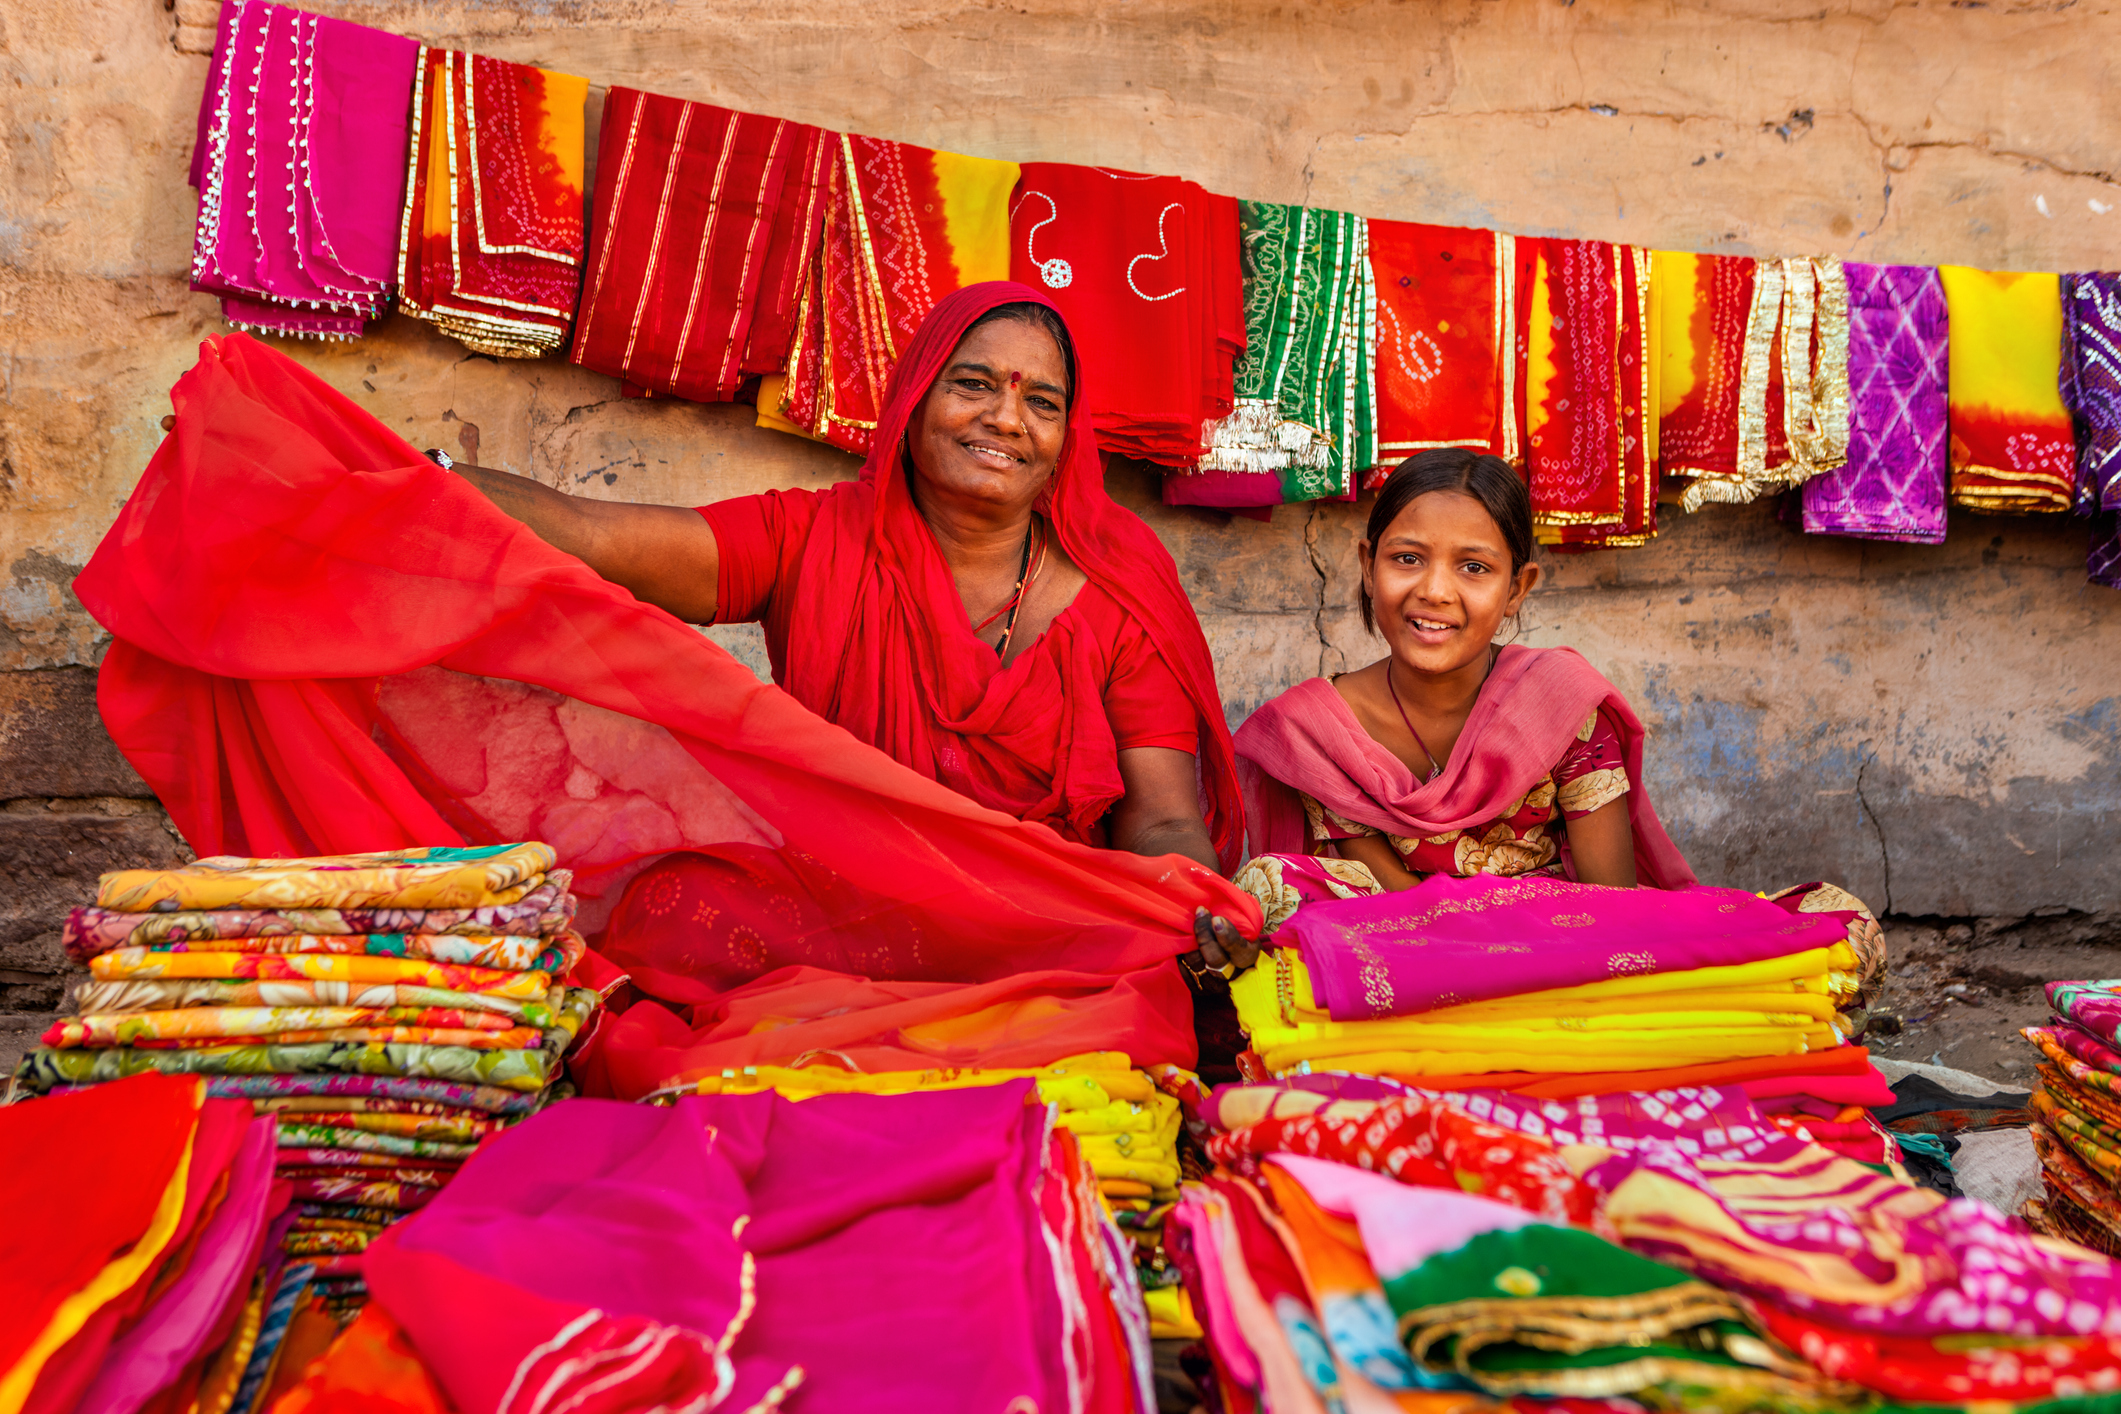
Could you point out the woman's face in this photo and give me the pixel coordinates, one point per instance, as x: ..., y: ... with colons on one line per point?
x: 1440, y: 582
x: 989, y: 433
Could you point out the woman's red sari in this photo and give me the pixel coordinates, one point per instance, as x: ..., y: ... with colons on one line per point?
x: 324, y: 643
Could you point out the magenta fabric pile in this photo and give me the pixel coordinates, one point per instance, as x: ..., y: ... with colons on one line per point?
x: 915, y: 1253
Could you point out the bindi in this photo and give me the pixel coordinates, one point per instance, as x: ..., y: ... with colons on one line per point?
x: 1015, y: 378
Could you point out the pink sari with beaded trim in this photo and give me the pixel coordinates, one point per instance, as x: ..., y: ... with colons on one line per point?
x: 1308, y: 742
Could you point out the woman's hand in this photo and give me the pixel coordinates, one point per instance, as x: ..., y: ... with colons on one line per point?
x: 1219, y: 952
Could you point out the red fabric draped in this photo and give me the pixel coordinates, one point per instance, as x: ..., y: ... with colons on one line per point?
x: 325, y: 643
x: 885, y: 651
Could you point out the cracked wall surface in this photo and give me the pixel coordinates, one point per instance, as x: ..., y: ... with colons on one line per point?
x: 1936, y: 728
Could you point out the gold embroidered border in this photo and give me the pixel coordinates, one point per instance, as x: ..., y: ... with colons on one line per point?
x: 414, y: 192
x: 1506, y: 342
x: 1753, y: 371
x: 478, y: 194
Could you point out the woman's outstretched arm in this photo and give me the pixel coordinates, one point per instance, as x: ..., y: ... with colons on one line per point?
x: 665, y: 555
x: 1160, y: 814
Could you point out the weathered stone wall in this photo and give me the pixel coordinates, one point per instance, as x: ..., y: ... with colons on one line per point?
x: 1937, y: 728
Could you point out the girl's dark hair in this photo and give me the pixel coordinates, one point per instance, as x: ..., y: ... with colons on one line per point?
x: 1486, y: 478
x: 1045, y: 317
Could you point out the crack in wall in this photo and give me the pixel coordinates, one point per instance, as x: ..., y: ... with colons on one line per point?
x: 1318, y: 567
x: 1885, y: 854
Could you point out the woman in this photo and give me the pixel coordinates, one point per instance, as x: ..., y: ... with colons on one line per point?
x: 975, y: 604
x: 1449, y: 754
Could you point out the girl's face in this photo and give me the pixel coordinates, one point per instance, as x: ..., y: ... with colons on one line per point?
x: 1440, y: 582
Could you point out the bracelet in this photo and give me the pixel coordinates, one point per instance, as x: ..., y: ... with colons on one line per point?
x: 440, y: 458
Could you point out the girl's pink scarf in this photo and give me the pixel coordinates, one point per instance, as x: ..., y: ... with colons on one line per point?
x: 1532, y: 705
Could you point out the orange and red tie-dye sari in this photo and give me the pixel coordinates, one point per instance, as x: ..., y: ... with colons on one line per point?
x: 1446, y: 327
x: 491, y: 240
x: 1753, y: 388
x: 2013, y: 446
x: 904, y: 226
x: 1590, y: 397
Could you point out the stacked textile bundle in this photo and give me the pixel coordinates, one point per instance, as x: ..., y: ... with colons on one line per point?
x: 740, y: 1252
x: 1304, y: 426
x: 490, y: 241
x: 300, y: 169
x: 1446, y: 341
x: 1552, y: 988
x: 136, y: 1258
x: 2077, y: 1115
x: 391, y: 1010
x: 1125, y: 1122
x: 1364, y: 1246
x: 1145, y: 270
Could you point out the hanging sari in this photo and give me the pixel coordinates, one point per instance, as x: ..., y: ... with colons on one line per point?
x: 1535, y: 702
x: 1590, y: 392
x: 1704, y: 312
x: 2091, y: 386
x: 903, y: 227
x: 705, y: 222
x: 300, y: 167
x: 1144, y: 269
x: 262, y: 565
x: 1893, y: 485
x: 491, y: 239
x: 2013, y: 447
x: 1791, y: 399
x: 1446, y: 330
x: 1304, y: 427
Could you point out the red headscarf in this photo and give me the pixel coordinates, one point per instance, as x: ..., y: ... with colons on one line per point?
x: 881, y: 651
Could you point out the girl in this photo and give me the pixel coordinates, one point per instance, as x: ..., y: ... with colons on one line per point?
x: 1449, y: 754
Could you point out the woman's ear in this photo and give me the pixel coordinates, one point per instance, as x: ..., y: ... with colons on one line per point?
x: 1369, y: 567
x: 1528, y: 577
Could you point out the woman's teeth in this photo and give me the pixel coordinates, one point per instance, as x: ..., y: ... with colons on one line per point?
x: 1431, y: 626
x: 991, y: 455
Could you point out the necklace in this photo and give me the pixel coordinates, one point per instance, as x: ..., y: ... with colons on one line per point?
x: 1026, y: 572
x: 1435, y: 767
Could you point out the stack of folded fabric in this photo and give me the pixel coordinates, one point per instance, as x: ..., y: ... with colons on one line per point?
x: 1360, y: 1245
x: 741, y: 1252
x: 2077, y: 1115
x: 130, y: 1270
x: 1552, y: 989
x: 391, y: 1011
x: 1125, y: 1122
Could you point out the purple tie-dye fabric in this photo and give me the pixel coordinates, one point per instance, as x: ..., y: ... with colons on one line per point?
x: 2103, y: 564
x: 1893, y: 486
x: 2091, y: 386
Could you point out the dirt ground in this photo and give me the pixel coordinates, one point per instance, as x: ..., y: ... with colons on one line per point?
x: 1957, y: 993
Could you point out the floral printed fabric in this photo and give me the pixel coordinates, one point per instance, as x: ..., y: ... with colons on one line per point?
x: 545, y: 912
x: 376, y: 1092
x: 1431, y: 1144
x: 228, y: 992
x: 297, y: 1135
x: 399, y: 878
x: 349, y: 960
x: 527, y: 1070
x: 125, y: 1028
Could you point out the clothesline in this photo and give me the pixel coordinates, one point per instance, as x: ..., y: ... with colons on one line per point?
x: 1260, y: 353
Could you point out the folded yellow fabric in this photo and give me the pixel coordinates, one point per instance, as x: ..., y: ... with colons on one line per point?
x: 397, y: 878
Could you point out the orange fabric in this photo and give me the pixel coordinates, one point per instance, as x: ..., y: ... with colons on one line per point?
x: 370, y: 1369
